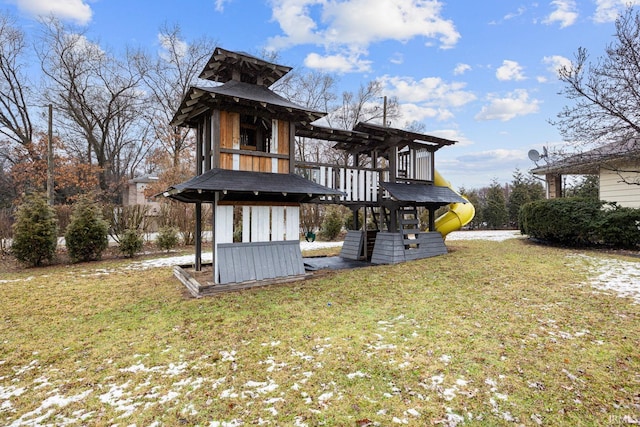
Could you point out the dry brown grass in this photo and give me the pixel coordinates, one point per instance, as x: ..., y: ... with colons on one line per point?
x: 494, y: 333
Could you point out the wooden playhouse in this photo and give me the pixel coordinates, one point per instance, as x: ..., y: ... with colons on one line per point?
x: 246, y: 169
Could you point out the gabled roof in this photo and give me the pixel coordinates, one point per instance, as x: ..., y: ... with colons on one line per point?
x: 225, y: 65
x: 240, y: 97
x: 366, y: 137
x: 422, y: 194
x: 235, y: 185
x: 590, y: 162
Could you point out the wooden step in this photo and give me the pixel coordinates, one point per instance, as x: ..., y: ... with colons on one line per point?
x: 406, y: 231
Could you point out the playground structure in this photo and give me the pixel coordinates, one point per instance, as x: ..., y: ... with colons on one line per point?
x: 246, y: 168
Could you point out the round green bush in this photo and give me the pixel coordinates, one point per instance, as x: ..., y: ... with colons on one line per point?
x: 131, y: 242
x: 167, y: 238
x: 332, y: 223
x: 35, y: 232
x: 86, y: 235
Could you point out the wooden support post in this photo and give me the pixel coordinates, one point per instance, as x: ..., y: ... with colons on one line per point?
x: 356, y: 225
x: 292, y: 147
x: 364, y: 233
x: 199, y: 143
x: 432, y: 218
x: 214, y: 248
x: 393, y: 219
x: 215, y: 139
x: 393, y: 164
x: 198, y: 237
x: 207, y: 143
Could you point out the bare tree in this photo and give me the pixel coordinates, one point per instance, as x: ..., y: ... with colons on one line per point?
x: 315, y: 91
x: 365, y: 105
x: 98, y: 96
x: 604, y: 114
x: 15, y: 123
x: 168, y: 75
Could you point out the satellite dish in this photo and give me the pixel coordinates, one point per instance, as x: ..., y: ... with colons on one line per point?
x: 534, y: 156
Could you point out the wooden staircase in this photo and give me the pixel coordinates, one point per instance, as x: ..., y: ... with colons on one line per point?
x: 409, y: 226
x: 380, y: 217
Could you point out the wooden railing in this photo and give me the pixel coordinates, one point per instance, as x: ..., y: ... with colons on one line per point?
x: 358, y: 184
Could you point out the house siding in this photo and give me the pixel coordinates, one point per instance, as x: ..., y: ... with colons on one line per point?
x: 612, y: 190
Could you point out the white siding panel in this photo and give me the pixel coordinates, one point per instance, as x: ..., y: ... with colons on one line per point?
x: 612, y: 190
x: 224, y: 224
x: 274, y: 137
x: 260, y: 217
x: 277, y: 223
x: 246, y: 224
x: 292, y: 223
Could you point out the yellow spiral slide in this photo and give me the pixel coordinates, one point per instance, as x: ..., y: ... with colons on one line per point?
x: 459, y: 214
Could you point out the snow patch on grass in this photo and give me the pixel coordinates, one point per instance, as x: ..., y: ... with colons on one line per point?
x: 611, y: 274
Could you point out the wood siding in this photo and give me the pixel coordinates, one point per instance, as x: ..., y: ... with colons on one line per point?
x: 352, y: 246
x: 229, y: 130
x: 611, y: 190
x: 246, y: 161
x: 245, y: 262
x: 282, y: 135
x: 390, y: 247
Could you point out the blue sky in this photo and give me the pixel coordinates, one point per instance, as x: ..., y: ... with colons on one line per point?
x: 481, y: 73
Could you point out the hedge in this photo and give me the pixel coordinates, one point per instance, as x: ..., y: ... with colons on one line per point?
x: 581, y: 222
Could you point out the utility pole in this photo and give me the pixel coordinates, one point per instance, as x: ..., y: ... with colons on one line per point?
x: 50, y: 158
x: 384, y: 111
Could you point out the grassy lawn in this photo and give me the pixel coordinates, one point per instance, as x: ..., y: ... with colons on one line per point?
x: 494, y: 333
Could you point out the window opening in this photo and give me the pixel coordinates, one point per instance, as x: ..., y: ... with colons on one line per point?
x: 255, y: 133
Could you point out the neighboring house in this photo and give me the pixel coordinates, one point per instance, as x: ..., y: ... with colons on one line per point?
x: 135, y: 194
x: 617, y: 166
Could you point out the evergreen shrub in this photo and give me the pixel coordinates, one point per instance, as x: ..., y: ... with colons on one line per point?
x: 35, y: 231
x: 332, y: 223
x: 620, y: 227
x: 167, y: 238
x: 131, y: 243
x: 86, y: 235
x: 581, y: 222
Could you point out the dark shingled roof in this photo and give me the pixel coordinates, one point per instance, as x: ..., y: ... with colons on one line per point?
x: 224, y: 63
x: 366, y: 137
x: 589, y: 162
x: 239, y: 97
x: 423, y: 193
x: 248, y: 186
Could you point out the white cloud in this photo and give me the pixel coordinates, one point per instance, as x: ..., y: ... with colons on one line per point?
x: 509, y: 70
x: 499, y: 155
x: 453, y: 135
x: 355, y: 24
x: 72, y: 10
x: 397, y: 58
x: 609, y: 10
x: 521, y: 10
x: 516, y: 103
x: 337, y: 63
x: 219, y: 5
x: 181, y: 46
x: 410, y: 112
x: 556, y: 62
x: 431, y: 90
x: 564, y: 13
x: 427, y: 98
x: 461, y: 69
x: 479, y: 168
